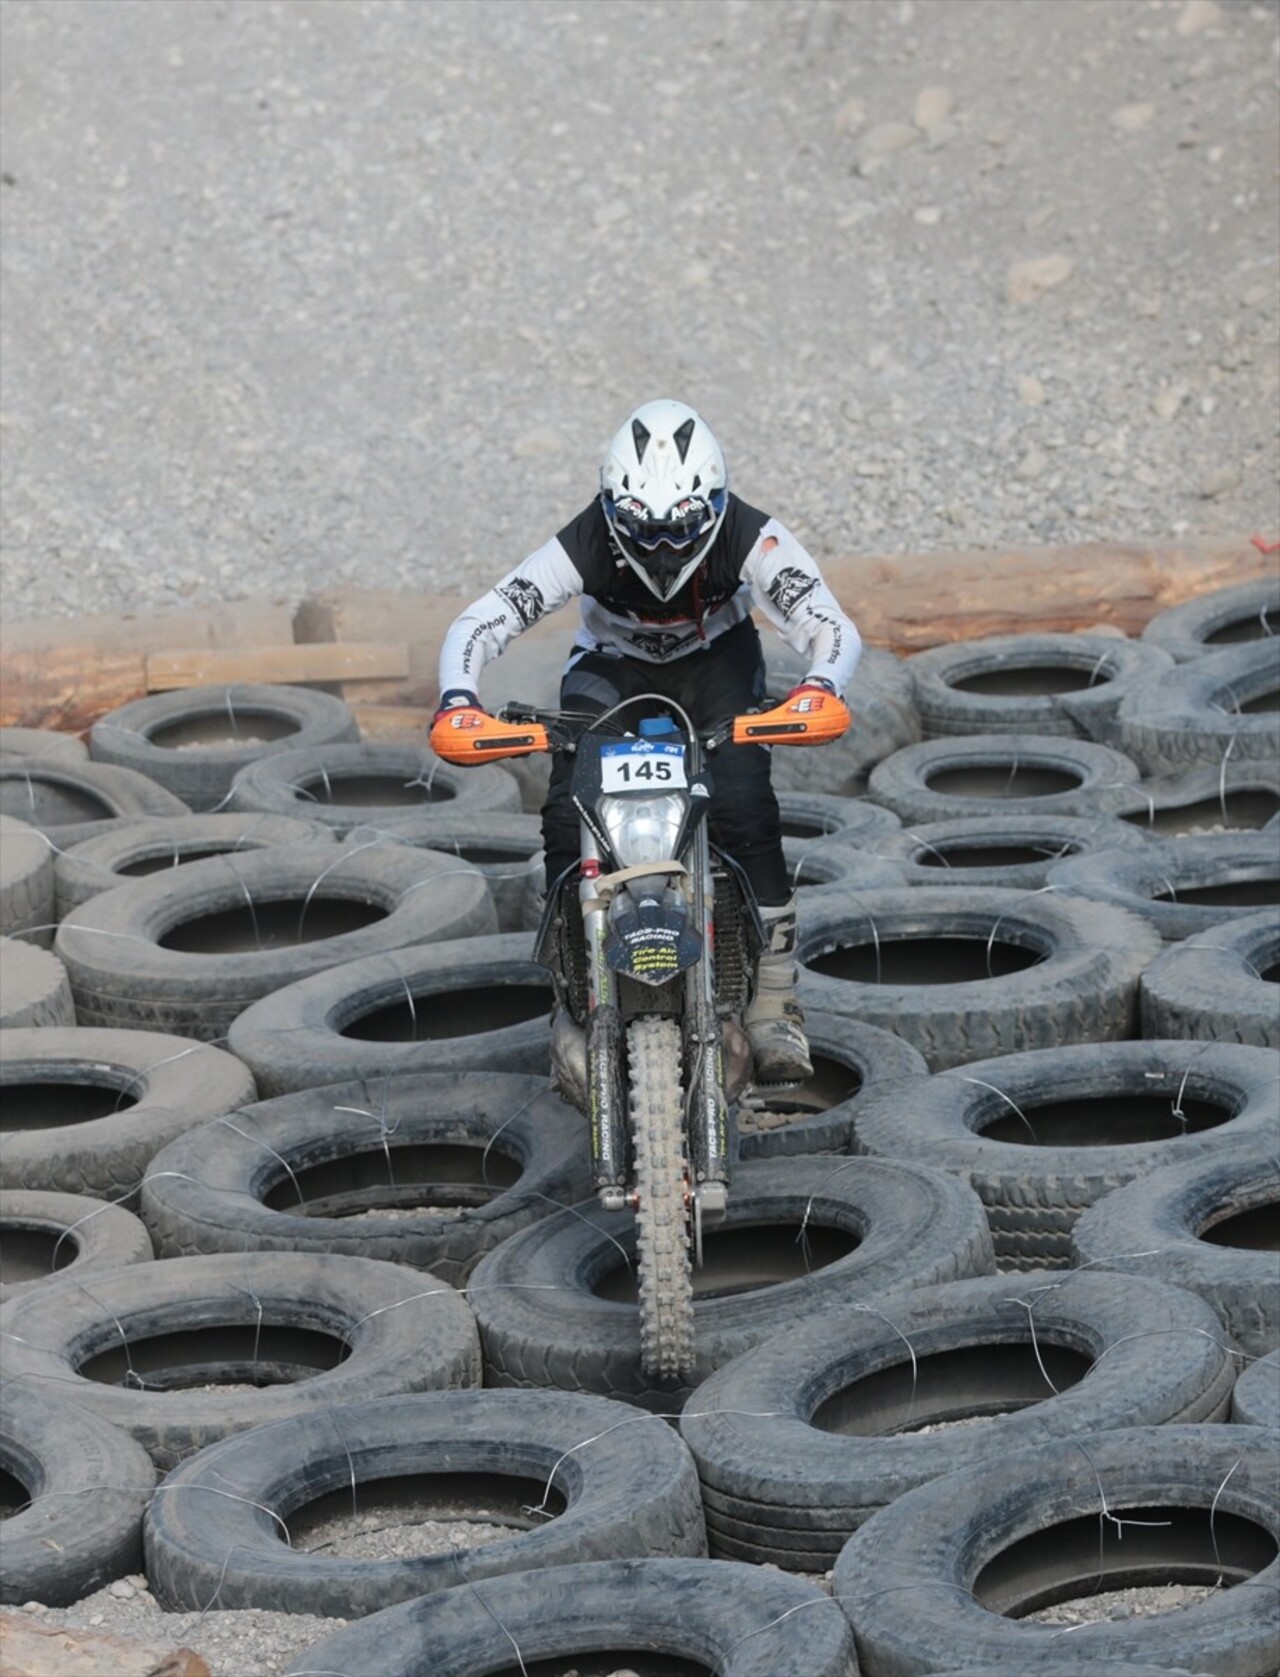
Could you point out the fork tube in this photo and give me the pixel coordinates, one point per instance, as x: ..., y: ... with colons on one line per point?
x: 708, y: 1122
x: 607, y: 1107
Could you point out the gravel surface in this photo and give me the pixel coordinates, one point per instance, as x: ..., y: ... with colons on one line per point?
x: 300, y: 294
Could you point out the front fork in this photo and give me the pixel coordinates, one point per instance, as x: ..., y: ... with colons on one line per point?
x: 707, y: 1109
x: 606, y: 1096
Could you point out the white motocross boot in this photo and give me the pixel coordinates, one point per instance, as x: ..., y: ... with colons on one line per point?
x: 774, y: 1022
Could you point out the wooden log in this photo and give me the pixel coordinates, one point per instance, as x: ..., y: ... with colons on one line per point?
x: 66, y: 672
x: 351, y: 660
x: 30, y: 1649
x: 913, y: 601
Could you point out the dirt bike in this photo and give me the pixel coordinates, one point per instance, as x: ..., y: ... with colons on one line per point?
x: 651, y: 940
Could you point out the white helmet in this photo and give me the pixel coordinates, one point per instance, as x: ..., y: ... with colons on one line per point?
x: 664, y: 489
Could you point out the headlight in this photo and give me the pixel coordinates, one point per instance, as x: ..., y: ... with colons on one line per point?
x: 643, y: 829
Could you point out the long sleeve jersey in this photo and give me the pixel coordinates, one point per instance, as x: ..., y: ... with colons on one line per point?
x: 754, y: 561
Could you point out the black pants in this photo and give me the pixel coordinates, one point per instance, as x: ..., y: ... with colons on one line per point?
x: 725, y: 678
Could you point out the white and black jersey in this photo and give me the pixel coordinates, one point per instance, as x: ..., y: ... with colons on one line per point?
x: 754, y: 562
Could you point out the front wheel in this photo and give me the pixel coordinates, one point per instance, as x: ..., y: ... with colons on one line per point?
x: 662, y: 1219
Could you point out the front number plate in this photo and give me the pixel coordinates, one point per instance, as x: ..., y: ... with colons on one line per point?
x: 640, y: 766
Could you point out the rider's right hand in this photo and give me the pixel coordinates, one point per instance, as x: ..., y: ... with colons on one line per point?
x: 456, y: 720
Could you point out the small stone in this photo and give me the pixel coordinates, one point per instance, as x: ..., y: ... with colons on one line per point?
x: 1165, y: 403
x: 1027, y: 281
x: 1197, y: 15
x: 1218, y: 482
x: 928, y: 215
x: 933, y: 106
x: 536, y: 443
x: 37, y: 1608
x: 122, y: 1590
x: 1031, y: 391
x: 1032, y: 465
x: 851, y: 116
x: 1130, y: 118
x: 881, y: 143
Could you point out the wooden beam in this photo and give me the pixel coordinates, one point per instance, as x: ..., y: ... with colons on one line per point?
x: 336, y: 661
x: 393, y: 722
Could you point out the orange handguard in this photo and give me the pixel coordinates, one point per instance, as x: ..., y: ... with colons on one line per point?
x: 809, y: 716
x: 465, y: 736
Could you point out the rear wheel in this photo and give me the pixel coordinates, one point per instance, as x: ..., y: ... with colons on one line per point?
x: 662, y: 1233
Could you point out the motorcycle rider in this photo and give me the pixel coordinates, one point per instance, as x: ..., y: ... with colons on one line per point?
x: 668, y: 564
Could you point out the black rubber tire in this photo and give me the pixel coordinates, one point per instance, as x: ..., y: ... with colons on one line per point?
x: 851, y: 1061
x: 1243, y: 611
x: 61, y: 797
x: 1163, y: 1224
x: 1234, y: 797
x: 149, y: 845
x: 1215, y: 709
x: 659, y: 1171
x: 383, y: 782
x: 500, y: 1149
x: 737, y: 1621
x: 288, y: 1316
x: 1105, y: 1114
x: 88, y: 1485
x: 1082, y: 986
x: 1011, y: 854
x: 811, y: 817
x: 45, y: 1236
x: 949, y: 779
x: 42, y: 742
x: 194, y: 741
x: 148, y: 1088
x: 1256, y: 1399
x: 26, y: 883
x: 803, y: 1438
x: 1062, y: 684
x: 197, y: 740
x: 1061, y: 1501
x: 34, y: 987
x: 505, y: 847
x: 305, y: 1034
x: 838, y: 861
x: 1231, y: 874
x: 123, y: 975
x: 882, y: 699
x: 622, y: 1490
x: 1219, y: 984
x: 544, y: 1324
x: 1067, y: 1667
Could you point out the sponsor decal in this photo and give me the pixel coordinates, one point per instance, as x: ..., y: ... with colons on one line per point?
x: 789, y: 587
x: 477, y: 634
x: 525, y: 599
x: 659, y: 647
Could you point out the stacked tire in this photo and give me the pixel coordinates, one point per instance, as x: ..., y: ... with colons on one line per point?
x: 295, y: 1231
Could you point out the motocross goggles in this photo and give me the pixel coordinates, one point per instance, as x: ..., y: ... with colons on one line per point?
x: 641, y: 531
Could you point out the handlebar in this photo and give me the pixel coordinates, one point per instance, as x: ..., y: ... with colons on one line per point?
x: 808, y: 717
